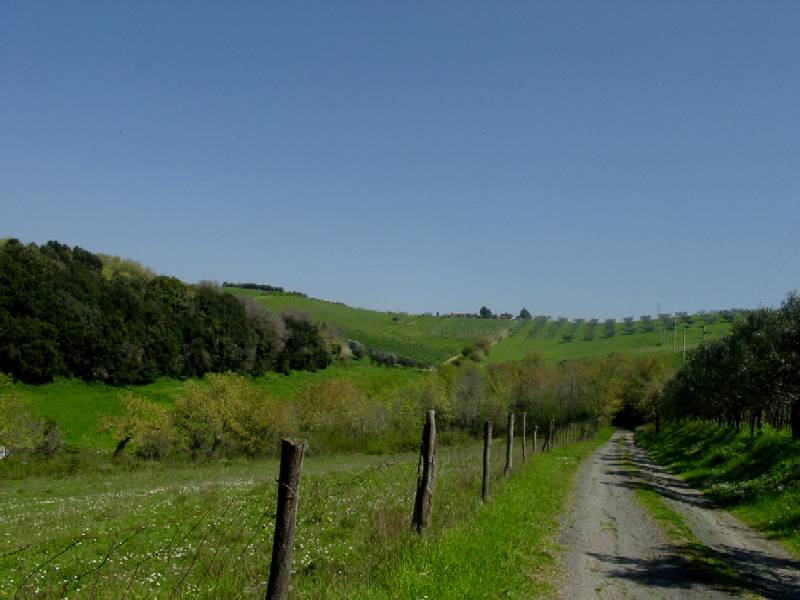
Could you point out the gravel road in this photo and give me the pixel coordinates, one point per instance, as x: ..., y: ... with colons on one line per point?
x: 615, y: 550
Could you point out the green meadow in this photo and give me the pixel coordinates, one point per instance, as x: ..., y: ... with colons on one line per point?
x: 79, y: 407
x: 204, y: 530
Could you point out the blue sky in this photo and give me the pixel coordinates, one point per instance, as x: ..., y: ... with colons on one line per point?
x: 581, y: 159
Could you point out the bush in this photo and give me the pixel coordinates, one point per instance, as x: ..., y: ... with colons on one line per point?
x: 336, y: 414
x: 382, y: 358
x: 22, y: 433
x: 229, y: 417
x: 144, y: 423
x: 357, y: 349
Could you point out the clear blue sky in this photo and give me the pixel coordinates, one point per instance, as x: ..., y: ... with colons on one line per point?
x: 581, y: 159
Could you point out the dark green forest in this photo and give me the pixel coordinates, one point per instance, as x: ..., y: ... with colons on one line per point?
x: 63, y: 314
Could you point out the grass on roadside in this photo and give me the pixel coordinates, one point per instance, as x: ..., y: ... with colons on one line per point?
x: 506, y: 551
x: 757, y: 479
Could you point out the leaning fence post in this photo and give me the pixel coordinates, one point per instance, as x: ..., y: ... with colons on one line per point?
x: 509, y: 444
x: 487, y: 451
x: 524, y: 450
x: 426, y: 477
x: 280, y: 568
x: 535, y: 433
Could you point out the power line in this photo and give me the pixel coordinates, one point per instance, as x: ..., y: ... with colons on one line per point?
x: 752, y: 285
x: 783, y: 264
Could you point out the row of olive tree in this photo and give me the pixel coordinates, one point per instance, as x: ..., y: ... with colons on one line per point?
x: 750, y: 376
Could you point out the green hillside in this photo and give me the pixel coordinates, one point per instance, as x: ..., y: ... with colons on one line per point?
x: 435, y: 339
x: 548, y: 340
x: 79, y: 408
x: 425, y: 338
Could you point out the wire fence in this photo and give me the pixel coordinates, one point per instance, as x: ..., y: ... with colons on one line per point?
x: 215, y: 539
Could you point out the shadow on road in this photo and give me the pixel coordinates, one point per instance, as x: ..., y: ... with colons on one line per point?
x: 674, y: 570
x: 670, y: 570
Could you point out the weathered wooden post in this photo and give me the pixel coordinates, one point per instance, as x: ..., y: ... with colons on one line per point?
x: 524, y: 450
x: 280, y: 568
x: 426, y: 475
x: 509, y: 444
x: 487, y: 452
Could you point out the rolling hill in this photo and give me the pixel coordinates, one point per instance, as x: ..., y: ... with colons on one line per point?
x: 435, y: 339
x: 425, y: 338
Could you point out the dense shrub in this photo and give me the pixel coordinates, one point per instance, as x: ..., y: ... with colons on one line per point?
x: 145, y: 425
x: 225, y: 415
x: 382, y: 358
x: 21, y: 432
x: 356, y: 349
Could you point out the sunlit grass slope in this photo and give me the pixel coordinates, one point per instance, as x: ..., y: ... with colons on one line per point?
x: 549, y: 341
x: 79, y: 407
x: 755, y: 478
x: 425, y: 338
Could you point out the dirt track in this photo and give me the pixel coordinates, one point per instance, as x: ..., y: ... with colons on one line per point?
x: 615, y: 550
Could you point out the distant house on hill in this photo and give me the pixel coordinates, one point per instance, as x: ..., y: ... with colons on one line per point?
x: 506, y: 316
x: 464, y: 315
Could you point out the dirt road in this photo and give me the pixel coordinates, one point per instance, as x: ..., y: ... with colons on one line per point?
x: 615, y: 550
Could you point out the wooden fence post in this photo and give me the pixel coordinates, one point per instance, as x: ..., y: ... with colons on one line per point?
x: 509, y: 444
x: 487, y: 452
x: 426, y: 475
x: 280, y: 568
x: 535, y: 433
x: 524, y: 450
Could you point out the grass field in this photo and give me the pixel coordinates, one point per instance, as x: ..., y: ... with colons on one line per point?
x: 755, y: 478
x: 522, y: 339
x: 79, y: 408
x: 204, y: 530
x: 428, y: 339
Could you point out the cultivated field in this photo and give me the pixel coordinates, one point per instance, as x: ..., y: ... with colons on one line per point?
x: 549, y: 342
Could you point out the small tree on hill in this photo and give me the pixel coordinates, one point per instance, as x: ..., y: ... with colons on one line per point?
x: 525, y: 313
x: 485, y: 313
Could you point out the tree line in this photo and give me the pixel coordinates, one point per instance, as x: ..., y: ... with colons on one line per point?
x: 263, y: 287
x: 63, y: 314
x: 750, y: 376
x: 228, y: 416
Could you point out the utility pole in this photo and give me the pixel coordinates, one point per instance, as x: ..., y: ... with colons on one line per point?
x: 684, y: 341
x: 675, y: 334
